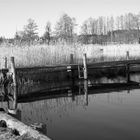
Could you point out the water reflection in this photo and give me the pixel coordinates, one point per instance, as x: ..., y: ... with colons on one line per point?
x: 73, y: 106
x: 63, y: 98
x: 12, y: 107
x: 83, y: 89
x: 78, y: 91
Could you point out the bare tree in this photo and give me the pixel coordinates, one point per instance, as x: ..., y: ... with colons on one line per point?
x: 100, y: 25
x: 47, y: 34
x: 136, y: 20
x: 87, y: 27
x: 64, y: 28
x: 84, y: 32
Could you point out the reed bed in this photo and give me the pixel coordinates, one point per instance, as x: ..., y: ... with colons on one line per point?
x: 43, y: 55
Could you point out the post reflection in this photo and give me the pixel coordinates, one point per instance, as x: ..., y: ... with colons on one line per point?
x: 12, y: 103
x: 83, y: 89
x: 86, y: 92
x: 72, y: 89
x: 13, y: 110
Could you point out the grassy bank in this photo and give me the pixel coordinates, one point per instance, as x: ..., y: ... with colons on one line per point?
x: 51, y: 55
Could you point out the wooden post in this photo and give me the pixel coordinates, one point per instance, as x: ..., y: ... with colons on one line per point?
x: 13, y: 71
x: 127, y: 55
x: 5, y: 62
x: 71, y: 59
x: 102, y: 55
x: 85, y: 66
x: 12, y: 103
x: 72, y: 77
x: 72, y: 71
x: 15, y: 98
x: 127, y: 73
x: 72, y: 86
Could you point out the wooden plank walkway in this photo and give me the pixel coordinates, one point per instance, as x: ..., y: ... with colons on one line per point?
x: 82, y: 68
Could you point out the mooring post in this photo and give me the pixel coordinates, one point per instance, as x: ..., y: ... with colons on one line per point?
x: 13, y: 71
x: 71, y: 62
x: 15, y: 98
x: 12, y: 103
x: 127, y: 55
x: 72, y: 77
x: 127, y: 67
x: 71, y: 59
x: 5, y: 62
x: 102, y: 54
x: 85, y: 66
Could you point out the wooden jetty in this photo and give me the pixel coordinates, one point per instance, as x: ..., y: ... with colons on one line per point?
x: 71, y: 70
x: 68, y: 72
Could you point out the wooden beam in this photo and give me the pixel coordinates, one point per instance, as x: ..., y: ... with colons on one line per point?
x: 127, y: 55
x: 5, y: 62
x: 13, y: 70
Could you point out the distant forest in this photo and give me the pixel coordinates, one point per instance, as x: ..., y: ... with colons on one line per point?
x: 103, y: 30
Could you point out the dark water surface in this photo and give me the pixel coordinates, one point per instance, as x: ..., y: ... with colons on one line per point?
x: 85, y: 115
x: 113, y: 115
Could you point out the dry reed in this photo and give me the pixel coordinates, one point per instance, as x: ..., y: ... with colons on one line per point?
x: 43, y: 55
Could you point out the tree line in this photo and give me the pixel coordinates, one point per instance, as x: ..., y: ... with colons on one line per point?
x: 102, y: 30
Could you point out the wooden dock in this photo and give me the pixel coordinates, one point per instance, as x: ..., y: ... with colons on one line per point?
x: 80, y: 71
x: 71, y: 71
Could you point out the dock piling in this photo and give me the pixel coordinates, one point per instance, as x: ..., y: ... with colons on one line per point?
x: 13, y: 71
x: 12, y: 103
x: 127, y: 55
x: 72, y: 62
x: 5, y: 62
x: 102, y: 54
x: 71, y: 59
x: 85, y: 66
x: 127, y: 68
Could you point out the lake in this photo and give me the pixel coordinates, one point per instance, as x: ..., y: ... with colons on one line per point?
x: 105, y: 111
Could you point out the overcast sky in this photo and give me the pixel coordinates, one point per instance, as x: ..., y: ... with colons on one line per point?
x: 14, y: 13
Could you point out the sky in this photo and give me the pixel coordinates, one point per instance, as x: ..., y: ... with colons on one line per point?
x: 15, y: 13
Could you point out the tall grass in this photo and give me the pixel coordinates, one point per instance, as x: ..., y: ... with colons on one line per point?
x: 43, y: 55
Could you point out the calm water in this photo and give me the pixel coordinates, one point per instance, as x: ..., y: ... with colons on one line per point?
x: 84, y: 114
x: 113, y: 115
